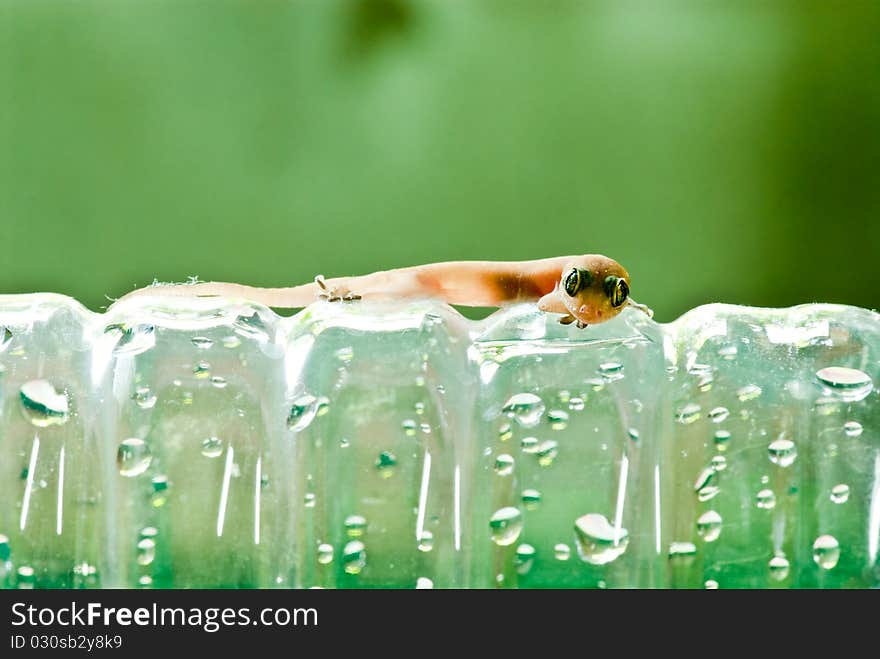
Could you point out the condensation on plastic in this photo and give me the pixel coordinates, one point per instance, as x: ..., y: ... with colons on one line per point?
x: 184, y: 443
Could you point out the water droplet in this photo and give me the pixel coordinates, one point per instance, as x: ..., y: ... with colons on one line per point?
x: 133, y: 457
x: 323, y: 406
x: 202, y: 342
x: 525, y: 409
x: 409, y: 428
x: 852, y: 428
x: 682, y: 553
x: 345, y: 354
x: 525, y: 558
x: 202, y: 370
x: 598, y: 541
x: 309, y: 499
x: 547, y: 452
x: 576, y: 404
x: 42, y: 404
x: 826, y: 406
x: 765, y: 499
x: 531, y: 499
x: 633, y: 434
x: 212, y: 447
x: 782, y: 452
x: 504, y: 464
x: 160, y: 491
x: 354, y: 557
x: 26, y: 577
x: 529, y: 444
x: 840, y: 493
x: 423, y: 583
x: 5, y: 337
x: 561, y: 552
x: 709, y: 526
x: 219, y: 382
x: 711, y: 584
x: 688, y: 414
x: 133, y: 340
x: 595, y: 384
x: 5, y: 550
x: 419, y: 407
x: 848, y: 384
x: 144, y: 398
x: 505, y: 432
x: 704, y: 478
x: 325, y: 553
x: 505, y: 526
x: 149, y: 532
x: 302, y: 412
x: 748, y: 392
x: 145, y: 581
x: 719, y: 463
x: 425, y: 428
x: 385, y: 463
x: 355, y: 525
x: 727, y: 352
x: 426, y: 541
x: 719, y: 414
x: 779, y: 567
x: 231, y: 341
x: 558, y: 419
x: 705, y: 382
x: 826, y: 551
x: 146, y: 551
x: 708, y: 492
x: 611, y: 371
x: 704, y: 487
x: 721, y: 439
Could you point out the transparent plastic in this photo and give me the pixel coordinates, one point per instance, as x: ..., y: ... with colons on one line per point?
x: 181, y: 443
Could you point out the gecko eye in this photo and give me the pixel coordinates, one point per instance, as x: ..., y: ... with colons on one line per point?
x: 576, y: 280
x: 617, y: 290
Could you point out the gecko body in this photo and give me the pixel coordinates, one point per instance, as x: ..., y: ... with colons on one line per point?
x: 585, y: 289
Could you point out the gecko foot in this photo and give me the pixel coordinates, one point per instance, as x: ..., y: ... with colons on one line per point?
x: 569, y: 319
x: 334, y: 294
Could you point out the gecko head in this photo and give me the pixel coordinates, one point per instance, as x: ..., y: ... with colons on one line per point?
x: 594, y: 289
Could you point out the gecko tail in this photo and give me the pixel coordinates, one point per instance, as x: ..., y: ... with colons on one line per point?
x: 280, y: 298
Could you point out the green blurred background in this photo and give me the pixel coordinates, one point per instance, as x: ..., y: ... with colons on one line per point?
x: 721, y: 151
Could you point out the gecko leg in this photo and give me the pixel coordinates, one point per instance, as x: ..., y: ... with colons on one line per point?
x: 569, y: 319
x: 334, y: 294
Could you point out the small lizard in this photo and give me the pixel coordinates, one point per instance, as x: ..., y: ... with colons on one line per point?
x: 585, y: 289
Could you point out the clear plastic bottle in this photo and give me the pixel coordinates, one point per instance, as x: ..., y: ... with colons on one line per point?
x: 207, y: 443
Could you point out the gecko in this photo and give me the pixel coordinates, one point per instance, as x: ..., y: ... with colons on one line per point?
x: 585, y: 290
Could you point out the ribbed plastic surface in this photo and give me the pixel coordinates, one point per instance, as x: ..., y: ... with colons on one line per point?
x: 204, y: 443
